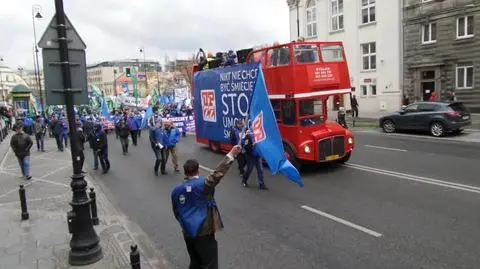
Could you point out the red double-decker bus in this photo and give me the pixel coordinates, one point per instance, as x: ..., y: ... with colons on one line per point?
x: 300, y: 77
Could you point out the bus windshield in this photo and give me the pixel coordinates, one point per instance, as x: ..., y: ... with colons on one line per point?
x: 311, y: 112
x: 332, y: 53
x: 306, y: 53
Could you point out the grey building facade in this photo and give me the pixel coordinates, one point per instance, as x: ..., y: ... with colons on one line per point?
x: 442, y: 50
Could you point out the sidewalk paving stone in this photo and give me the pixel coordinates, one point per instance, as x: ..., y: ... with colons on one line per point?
x: 42, y: 241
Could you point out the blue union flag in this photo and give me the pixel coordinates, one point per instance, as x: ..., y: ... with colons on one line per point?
x: 269, y: 145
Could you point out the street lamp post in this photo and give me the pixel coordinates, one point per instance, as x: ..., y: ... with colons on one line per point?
x: 142, y: 50
x: 36, y: 15
x: 115, y: 82
x: 158, y: 78
x: 84, y: 245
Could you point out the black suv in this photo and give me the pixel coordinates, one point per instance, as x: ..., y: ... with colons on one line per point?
x: 435, y: 117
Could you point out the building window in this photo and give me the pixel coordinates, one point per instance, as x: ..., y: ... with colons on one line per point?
x: 464, y: 77
x: 337, y: 15
x: 363, y: 90
x: 465, y: 27
x: 368, y: 90
x: 311, y: 18
x: 373, y: 90
x: 429, y: 33
x: 369, y: 56
x: 368, y: 11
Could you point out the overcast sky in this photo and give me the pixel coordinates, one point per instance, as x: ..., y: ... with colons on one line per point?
x: 116, y: 29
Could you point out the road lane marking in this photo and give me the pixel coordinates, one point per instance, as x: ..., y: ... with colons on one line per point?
x: 2, y: 165
x: 446, y: 184
x: 342, y: 221
x: 460, y: 138
x: 206, y: 169
x: 385, y: 148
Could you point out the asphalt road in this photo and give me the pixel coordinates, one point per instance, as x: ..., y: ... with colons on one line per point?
x: 399, y: 203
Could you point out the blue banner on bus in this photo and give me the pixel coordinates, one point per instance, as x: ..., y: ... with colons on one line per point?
x: 223, y: 95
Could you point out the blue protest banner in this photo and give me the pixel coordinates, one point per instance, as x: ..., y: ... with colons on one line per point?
x: 223, y: 96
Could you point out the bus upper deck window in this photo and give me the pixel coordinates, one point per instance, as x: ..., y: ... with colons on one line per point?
x: 279, y: 57
x: 332, y: 53
x: 306, y: 53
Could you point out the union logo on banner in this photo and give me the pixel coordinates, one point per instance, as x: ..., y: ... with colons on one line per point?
x: 258, y: 129
x: 209, y: 108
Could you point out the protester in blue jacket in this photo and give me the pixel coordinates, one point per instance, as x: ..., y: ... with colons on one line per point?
x: 173, y: 136
x: 138, y: 120
x: 134, y: 127
x: 65, y: 131
x: 158, y: 141
x: 28, y: 125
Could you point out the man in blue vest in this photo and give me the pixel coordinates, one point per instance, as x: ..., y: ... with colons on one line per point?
x: 195, y: 209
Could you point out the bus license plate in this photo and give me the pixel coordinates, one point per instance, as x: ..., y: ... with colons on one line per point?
x: 465, y: 117
x: 333, y: 157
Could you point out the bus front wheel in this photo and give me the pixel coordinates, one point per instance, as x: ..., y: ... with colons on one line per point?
x: 290, y: 154
x: 345, y: 158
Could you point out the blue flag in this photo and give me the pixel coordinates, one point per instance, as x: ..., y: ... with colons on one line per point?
x: 269, y: 145
x: 147, y: 116
x: 105, y: 111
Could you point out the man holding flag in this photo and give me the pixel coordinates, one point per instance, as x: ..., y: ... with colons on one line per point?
x: 268, y: 146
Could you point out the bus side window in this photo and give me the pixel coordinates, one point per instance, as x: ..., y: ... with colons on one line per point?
x: 276, y: 105
x: 289, y: 112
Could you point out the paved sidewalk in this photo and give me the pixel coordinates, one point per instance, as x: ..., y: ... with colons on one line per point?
x: 42, y: 242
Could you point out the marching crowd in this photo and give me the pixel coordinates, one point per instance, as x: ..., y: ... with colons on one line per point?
x: 194, y: 194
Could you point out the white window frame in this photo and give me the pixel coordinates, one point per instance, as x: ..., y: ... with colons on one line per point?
x: 370, y: 4
x: 336, y: 16
x: 370, y: 87
x: 457, y: 79
x: 426, y: 1
x: 362, y: 92
x: 311, y: 20
x: 465, y: 27
x: 366, y: 90
x: 369, y: 56
x: 430, y: 40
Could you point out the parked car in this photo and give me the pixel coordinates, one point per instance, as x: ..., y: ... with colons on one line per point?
x: 435, y: 117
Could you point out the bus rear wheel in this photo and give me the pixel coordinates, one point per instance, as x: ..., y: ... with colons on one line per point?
x: 214, y: 146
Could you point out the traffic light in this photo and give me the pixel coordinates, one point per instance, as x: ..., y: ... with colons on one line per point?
x: 127, y: 71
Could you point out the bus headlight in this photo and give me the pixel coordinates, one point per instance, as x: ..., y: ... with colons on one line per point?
x: 350, y: 140
x: 307, y: 149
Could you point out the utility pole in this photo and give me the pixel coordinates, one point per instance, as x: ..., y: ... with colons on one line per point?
x: 298, y: 19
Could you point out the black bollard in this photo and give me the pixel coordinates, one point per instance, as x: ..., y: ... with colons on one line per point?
x: 93, y: 206
x: 23, y: 202
x: 134, y: 257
